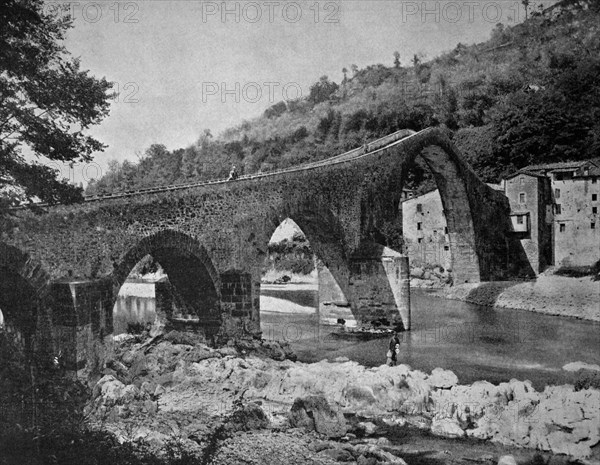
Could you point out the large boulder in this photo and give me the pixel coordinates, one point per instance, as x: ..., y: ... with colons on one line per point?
x: 249, y: 417
x: 446, y: 427
x: 315, y: 413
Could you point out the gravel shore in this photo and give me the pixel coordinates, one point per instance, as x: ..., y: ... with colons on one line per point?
x: 552, y: 295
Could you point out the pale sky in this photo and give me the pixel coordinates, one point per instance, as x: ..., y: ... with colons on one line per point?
x: 171, y: 60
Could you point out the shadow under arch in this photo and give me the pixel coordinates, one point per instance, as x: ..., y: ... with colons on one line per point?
x: 194, y: 280
x: 26, y: 339
x: 24, y: 291
x: 20, y: 263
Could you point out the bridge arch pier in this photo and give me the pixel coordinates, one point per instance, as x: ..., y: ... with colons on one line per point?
x: 380, y: 286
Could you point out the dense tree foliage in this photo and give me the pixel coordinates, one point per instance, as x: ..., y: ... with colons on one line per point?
x: 530, y: 94
x: 46, y: 103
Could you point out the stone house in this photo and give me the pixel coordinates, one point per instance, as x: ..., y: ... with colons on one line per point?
x: 554, y: 213
x: 575, y: 200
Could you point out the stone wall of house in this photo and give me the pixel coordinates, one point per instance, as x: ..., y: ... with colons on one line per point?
x: 425, y: 231
x: 577, y: 226
x: 529, y: 198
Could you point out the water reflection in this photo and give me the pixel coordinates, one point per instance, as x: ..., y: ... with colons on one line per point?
x: 135, y: 305
x: 475, y: 342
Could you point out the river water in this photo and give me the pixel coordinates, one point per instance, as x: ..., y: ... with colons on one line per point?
x: 475, y: 342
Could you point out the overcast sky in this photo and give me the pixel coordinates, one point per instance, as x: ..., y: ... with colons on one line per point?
x: 174, y: 62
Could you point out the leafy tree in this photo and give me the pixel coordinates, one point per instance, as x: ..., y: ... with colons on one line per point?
x: 416, y: 61
x: 46, y: 103
x: 538, y: 128
x: 276, y: 110
x: 322, y: 90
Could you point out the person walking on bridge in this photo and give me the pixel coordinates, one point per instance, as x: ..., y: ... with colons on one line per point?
x: 233, y: 174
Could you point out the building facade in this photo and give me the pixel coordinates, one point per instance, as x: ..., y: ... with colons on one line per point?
x: 531, y: 216
x: 425, y: 231
x: 575, y: 191
x: 554, y: 214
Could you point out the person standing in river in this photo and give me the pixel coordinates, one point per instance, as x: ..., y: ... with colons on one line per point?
x: 393, y: 350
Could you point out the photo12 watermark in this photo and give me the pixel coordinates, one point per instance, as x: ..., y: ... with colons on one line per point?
x: 251, y: 92
x: 326, y: 12
x: 463, y: 11
x: 128, y: 92
x: 126, y: 12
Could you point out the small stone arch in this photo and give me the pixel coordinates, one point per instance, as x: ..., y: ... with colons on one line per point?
x: 166, y: 239
x: 194, y: 281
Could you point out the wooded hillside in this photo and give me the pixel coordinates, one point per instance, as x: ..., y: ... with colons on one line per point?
x: 530, y: 94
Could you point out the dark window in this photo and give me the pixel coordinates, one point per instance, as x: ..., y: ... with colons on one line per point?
x: 594, y: 180
x: 446, y: 230
x: 593, y: 225
x: 446, y: 247
x: 594, y: 197
x: 419, y: 208
x: 419, y: 225
x: 419, y: 240
x: 562, y: 227
x: 557, y: 193
x: 519, y: 219
x: 558, y: 176
x: 594, y: 210
x: 522, y: 197
x: 558, y: 209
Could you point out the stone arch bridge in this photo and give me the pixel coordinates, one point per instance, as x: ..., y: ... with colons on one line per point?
x: 60, y: 271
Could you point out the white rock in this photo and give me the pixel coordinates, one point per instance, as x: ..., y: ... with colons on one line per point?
x: 369, y: 427
x: 507, y: 460
x: 576, y: 366
x: 441, y: 378
x: 446, y: 427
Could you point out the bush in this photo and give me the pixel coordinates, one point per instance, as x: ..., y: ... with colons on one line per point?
x: 587, y: 379
x: 85, y: 447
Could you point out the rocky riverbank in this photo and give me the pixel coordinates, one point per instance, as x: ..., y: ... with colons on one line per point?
x: 250, y: 399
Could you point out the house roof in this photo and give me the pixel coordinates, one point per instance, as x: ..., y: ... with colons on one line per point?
x: 542, y: 169
x: 526, y: 172
x: 557, y: 166
x: 497, y: 187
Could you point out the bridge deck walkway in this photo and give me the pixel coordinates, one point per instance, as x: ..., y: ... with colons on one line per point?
x: 355, y: 154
